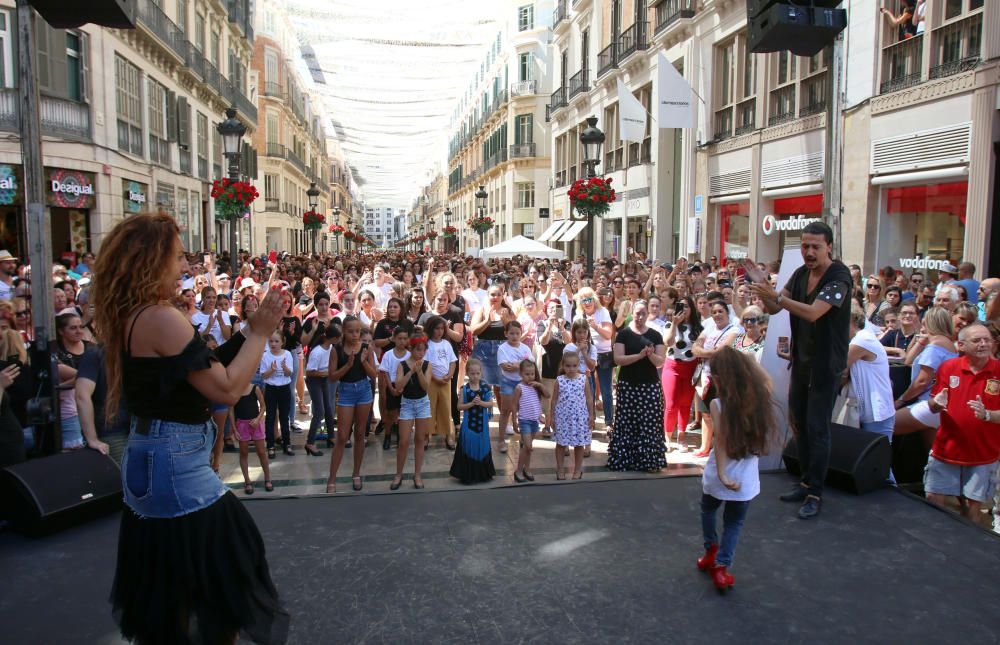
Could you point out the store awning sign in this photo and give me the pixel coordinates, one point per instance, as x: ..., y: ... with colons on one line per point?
x: 69, y: 188
x: 134, y: 194
x: 769, y: 223
x: 10, y: 184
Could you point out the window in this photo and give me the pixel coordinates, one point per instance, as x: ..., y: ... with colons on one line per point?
x: 271, y: 69
x: 182, y: 217
x: 526, y: 194
x: 6, y: 50
x: 199, y: 32
x: 525, y: 17
x: 798, y: 83
x: 195, y: 218
x: 781, y: 99
x: 735, y: 88
x: 524, y: 129
x: 159, y: 147
x: 213, y: 49
x: 182, y: 15
x: 202, y: 127
x: 128, y: 101
x: 525, y: 66
x: 272, y: 133
x: 74, y: 67
x: 269, y: 22
x: 272, y: 188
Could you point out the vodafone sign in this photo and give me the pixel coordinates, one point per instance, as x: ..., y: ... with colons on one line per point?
x: 770, y: 223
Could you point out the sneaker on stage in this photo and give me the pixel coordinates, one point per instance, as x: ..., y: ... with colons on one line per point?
x: 810, y: 508
x: 797, y: 494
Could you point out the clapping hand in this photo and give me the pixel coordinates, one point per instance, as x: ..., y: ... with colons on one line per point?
x: 755, y: 274
x: 941, y: 399
x: 8, y: 376
x: 265, y: 320
x: 978, y: 408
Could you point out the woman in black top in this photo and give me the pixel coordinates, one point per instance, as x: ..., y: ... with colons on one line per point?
x: 637, y: 443
x: 411, y: 382
x: 553, y: 335
x: 164, y: 590
x: 291, y: 333
x: 352, y: 364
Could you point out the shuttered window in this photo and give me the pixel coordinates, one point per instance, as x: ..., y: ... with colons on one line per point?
x: 128, y: 101
x: 202, y: 146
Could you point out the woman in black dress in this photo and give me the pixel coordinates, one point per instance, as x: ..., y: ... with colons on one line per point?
x: 191, y: 564
x: 637, y: 442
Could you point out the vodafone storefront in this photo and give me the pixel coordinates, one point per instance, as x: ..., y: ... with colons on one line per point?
x: 921, y: 227
x: 782, y: 223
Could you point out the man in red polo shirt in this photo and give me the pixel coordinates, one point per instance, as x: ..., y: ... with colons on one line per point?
x: 966, y: 391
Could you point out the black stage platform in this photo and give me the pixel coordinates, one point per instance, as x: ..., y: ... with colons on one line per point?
x: 589, y: 562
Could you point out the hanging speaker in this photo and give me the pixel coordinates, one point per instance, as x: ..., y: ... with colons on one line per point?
x: 68, y: 15
x: 803, y: 31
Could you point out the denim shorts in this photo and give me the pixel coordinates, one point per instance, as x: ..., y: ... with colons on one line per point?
x: 527, y: 427
x: 167, y: 471
x: 486, y: 352
x: 72, y: 433
x: 507, y: 386
x: 356, y: 393
x: 972, y: 482
x: 411, y: 409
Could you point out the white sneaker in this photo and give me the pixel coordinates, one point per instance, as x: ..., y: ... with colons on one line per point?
x: 510, y: 430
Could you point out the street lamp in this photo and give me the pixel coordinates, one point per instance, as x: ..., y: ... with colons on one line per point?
x: 649, y: 235
x: 481, y: 197
x: 591, y: 139
x: 232, y: 130
x: 336, y: 221
x: 313, y: 195
x: 347, y: 242
x: 447, y: 223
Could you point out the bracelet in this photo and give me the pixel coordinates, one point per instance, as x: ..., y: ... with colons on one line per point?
x: 781, y: 297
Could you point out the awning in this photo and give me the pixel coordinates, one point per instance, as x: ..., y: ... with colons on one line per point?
x: 560, y: 229
x: 572, y: 232
x: 550, y: 230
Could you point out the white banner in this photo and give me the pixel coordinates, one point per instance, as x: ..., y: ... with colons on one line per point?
x: 631, y: 115
x: 676, y: 98
x: 694, y: 235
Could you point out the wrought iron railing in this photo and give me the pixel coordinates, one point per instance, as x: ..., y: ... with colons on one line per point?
x: 901, y: 64
x: 522, y: 150
x: 633, y: 39
x: 782, y: 105
x: 561, y: 13
x: 578, y: 83
x: 65, y: 118
x: 607, y: 59
x: 524, y: 88
x: 670, y: 11
x: 723, y: 124
x: 957, y: 46
x: 558, y: 99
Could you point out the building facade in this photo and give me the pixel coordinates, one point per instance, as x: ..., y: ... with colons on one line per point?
x: 292, y: 141
x: 919, y: 133
x: 379, y: 222
x: 499, y: 137
x: 128, y: 119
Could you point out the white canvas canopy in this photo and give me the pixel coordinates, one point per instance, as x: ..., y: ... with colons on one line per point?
x: 520, y: 245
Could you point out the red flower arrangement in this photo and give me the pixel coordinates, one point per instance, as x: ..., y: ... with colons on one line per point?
x: 592, y: 196
x: 232, y: 198
x: 350, y: 235
x: 432, y: 235
x: 449, y: 231
x: 336, y: 229
x: 313, y: 221
x: 481, y: 223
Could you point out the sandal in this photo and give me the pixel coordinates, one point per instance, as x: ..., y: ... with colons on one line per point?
x: 528, y: 475
x: 561, y: 475
x: 578, y: 475
x: 356, y: 483
x: 518, y: 478
x: 268, y: 486
x: 418, y: 485
x: 270, y: 453
x: 331, y: 486
x: 396, y: 483
x: 248, y: 488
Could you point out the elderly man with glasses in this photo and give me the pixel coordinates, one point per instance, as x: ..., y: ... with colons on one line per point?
x: 988, y: 289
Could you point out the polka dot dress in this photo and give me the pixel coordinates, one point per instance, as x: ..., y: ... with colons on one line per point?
x: 637, y: 442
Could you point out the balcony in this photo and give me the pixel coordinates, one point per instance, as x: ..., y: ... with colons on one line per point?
x: 276, y: 150
x: 632, y: 40
x: 495, y: 160
x: 60, y: 118
x: 746, y: 116
x: 723, y: 124
x: 607, y: 59
x: 578, y: 83
x: 524, y: 88
x: 272, y: 204
x: 163, y: 28
x: 560, y: 179
x: 669, y: 12
x: 901, y: 64
x: 558, y: 99
x: 957, y: 46
x: 560, y: 14
x: 522, y: 150
x: 273, y: 90
x: 782, y: 105
x: 238, y: 15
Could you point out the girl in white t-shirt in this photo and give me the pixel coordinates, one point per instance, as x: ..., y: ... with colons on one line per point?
x: 743, y: 417
x: 583, y: 346
x: 441, y: 356
x: 387, y: 376
x: 509, y: 357
x: 475, y: 297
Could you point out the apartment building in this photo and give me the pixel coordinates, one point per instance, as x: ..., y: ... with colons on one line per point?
x: 499, y: 137
x: 918, y: 143
x: 292, y: 140
x: 128, y: 119
x: 378, y: 224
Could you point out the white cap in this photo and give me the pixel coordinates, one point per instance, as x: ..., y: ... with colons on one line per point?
x: 948, y: 267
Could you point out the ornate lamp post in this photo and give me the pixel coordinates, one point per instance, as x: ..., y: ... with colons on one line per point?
x: 649, y: 235
x: 313, y: 195
x: 232, y: 131
x: 348, y: 229
x: 481, y: 197
x: 336, y: 221
x: 591, y: 139
x: 447, y: 224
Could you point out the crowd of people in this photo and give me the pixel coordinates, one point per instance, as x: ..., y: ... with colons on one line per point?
x: 424, y: 350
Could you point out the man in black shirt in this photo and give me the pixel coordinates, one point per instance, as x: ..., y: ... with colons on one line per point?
x: 817, y: 298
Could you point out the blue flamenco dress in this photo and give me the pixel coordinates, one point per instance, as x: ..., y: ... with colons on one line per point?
x: 473, y: 462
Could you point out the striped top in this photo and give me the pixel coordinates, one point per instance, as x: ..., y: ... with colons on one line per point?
x: 530, y: 408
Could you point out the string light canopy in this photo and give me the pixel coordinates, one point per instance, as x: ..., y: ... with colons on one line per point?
x: 391, y: 75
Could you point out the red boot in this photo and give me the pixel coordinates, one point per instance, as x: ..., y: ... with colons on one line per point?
x: 721, y: 579
x: 707, y: 561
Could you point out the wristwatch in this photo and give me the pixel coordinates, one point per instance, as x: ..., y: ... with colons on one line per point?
x: 781, y: 297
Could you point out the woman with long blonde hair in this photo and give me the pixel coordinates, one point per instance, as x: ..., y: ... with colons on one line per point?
x: 165, y: 590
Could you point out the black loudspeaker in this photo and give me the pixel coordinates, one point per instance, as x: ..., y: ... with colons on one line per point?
x: 859, y: 460
x: 803, y: 31
x: 44, y: 495
x: 67, y: 15
x: 754, y: 7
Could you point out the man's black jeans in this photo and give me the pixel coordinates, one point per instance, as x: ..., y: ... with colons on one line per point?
x: 811, y: 396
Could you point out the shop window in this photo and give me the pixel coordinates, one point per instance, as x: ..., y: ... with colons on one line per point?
x: 923, y: 222
x: 735, y: 219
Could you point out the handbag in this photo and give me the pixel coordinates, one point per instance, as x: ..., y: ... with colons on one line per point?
x: 845, y: 409
x: 605, y: 360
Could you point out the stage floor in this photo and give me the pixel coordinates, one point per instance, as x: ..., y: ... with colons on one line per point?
x: 579, y: 562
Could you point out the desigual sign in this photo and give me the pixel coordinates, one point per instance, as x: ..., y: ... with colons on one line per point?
x: 69, y: 188
x: 922, y: 263
x: 770, y: 223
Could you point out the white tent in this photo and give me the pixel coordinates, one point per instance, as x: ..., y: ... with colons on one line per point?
x: 520, y: 245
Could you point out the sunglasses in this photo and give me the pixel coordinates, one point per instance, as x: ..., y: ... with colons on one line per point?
x: 618, y: 283
x: 874, y: 286
x: 586, y: 300
x: 750, y: 321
